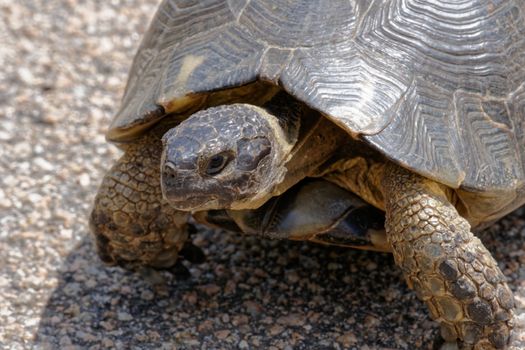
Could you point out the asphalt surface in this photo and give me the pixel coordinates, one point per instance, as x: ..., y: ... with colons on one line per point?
x: 63, y: 67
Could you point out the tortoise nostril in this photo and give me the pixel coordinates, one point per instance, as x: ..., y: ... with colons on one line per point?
x: 170, y: 172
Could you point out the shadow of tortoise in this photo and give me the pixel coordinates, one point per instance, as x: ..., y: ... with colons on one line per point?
x: 253, y: 293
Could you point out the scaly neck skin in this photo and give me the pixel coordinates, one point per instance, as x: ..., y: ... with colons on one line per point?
x: 358, y: 169
x: 325, y: 150
x: 319, y: 139
x: 309, y: 138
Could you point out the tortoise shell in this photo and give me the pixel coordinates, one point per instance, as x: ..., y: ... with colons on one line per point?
x: 436, y: 86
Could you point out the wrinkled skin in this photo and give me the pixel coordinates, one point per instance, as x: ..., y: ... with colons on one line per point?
x: 441, y: 259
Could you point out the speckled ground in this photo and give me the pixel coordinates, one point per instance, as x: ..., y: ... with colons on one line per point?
x: 63, y: 65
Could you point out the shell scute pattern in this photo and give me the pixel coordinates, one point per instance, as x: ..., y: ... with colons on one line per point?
x: 457, y: 88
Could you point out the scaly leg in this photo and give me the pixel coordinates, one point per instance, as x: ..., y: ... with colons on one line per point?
x: 132, y: 224
x: 447, y: 266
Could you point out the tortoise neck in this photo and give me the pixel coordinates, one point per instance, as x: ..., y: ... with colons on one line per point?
x: 319, y: 138
x: 288, y: 112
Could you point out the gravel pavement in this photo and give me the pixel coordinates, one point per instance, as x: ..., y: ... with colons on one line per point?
x: 63, y: 66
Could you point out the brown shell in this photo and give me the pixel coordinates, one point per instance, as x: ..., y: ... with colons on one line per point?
x: 437, y: 86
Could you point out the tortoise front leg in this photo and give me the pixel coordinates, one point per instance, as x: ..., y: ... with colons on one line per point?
x: 132, y: 224
x: 447, y: 266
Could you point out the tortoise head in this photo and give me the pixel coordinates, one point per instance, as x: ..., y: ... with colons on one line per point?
x: 225, y: 157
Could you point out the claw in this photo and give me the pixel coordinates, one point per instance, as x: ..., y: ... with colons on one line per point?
x: 192, y: 253
x: 180, y: 271
x: 191, y: 229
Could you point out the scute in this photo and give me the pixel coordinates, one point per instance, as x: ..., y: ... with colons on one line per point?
x: 179, y: 32
x: 296, y: 24
x: 437, y: 86
x: 461, y: 64
x: 226, y: 44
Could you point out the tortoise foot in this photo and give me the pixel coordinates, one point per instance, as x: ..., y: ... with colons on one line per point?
x: 132, y: 224
x: 449, y: 268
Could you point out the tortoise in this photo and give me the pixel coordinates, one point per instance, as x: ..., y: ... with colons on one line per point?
x: 415, y: 108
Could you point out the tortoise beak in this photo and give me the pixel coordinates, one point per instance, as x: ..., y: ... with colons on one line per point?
x: 192, y: 203
x: 177, y: 190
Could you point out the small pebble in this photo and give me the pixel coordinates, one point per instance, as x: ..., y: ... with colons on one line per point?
x: 222, y: 334
x: 124, y: 316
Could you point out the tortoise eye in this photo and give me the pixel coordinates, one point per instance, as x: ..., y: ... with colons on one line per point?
x: 217, y: 163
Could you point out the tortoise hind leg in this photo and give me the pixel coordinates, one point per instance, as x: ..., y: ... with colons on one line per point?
x: 132, y: 224
x: 448, y: 266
